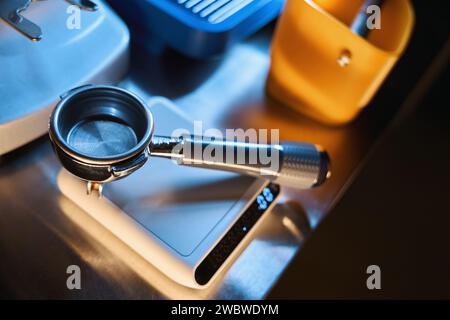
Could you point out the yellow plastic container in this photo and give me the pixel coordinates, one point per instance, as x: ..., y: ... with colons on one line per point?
x: 323, y: 69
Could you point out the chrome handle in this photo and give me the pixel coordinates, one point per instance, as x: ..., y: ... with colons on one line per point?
x: 298, y: 165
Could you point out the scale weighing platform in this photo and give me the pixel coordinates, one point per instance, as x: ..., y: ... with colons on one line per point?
x: 189, y: 223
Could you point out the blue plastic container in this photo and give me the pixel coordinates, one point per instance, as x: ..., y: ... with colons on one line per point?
x: 196, y: 28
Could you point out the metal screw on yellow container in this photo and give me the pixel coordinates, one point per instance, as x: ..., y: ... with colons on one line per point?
x: 345, y: 58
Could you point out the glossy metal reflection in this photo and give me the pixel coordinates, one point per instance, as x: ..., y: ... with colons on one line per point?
x: 104, y: 133
x: 10, y: 12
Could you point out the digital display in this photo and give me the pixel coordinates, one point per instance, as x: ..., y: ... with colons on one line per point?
x: 234, y: 236
x: 265, y: 199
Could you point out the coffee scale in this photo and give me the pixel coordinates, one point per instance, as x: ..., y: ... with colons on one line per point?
x: 190, y: 223
x: 42, y: 56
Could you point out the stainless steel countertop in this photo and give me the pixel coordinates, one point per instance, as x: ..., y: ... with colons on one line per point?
x: 38, y: 241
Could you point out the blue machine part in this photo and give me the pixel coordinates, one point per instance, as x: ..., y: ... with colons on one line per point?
x: 196, y: 28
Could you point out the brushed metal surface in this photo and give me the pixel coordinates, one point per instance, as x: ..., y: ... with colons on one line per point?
x: 41, y: 232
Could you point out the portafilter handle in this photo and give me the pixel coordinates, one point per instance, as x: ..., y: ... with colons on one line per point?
x: 292, y: 164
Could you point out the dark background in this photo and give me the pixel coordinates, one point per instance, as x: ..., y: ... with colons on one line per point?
x: 396, y: 214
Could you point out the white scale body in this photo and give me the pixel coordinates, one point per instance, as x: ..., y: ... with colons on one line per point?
x: 178, y: 217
